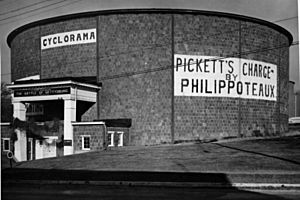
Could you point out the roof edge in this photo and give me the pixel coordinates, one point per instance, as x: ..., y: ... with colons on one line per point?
x: 74, y: 80
x: 15, y: 32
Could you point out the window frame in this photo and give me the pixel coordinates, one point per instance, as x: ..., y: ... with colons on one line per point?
x: 120, y: 139
x: 111, y: 142
x: 3, y: 144
x: 82, y: 142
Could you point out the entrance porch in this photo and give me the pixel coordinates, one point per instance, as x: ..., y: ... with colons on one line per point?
x: 43, y: 102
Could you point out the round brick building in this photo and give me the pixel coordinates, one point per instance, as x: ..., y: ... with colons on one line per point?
x: 172, y: 75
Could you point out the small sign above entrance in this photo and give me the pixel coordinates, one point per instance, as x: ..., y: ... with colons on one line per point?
x: 37, y: 91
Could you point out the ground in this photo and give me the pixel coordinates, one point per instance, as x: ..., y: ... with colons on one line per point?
x: 167, y: 172
x: 275, y: 155
x: 72, y: 192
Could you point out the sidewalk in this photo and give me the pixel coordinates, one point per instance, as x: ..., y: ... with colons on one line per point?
x: 266, y: 162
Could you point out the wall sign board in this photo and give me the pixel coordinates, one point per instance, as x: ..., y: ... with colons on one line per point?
x: 38, y: 91
x: 67, y: 142
x: 68, y: 38
x: 208, y: 76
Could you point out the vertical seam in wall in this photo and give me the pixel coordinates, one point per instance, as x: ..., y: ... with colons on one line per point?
x: 240, y: 57
x: 40, y: 50
x: 172, y: 71
x: 97, y: 65
x: 278, y: 79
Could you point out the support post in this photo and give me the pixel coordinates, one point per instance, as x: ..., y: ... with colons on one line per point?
x: 69, y: 116
x: 21, y: 142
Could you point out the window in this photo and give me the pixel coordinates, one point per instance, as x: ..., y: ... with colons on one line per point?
x: 110, y: 138
x: 120, y: 139
x: 6, y: 144
x: 86, y: 142
x: 115, y: 138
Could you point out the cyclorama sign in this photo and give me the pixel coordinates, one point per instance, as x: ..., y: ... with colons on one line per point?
x: 207, y: 76
x: 68, y: 38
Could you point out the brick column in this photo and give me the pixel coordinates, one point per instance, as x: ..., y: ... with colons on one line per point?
x: 69, y: 116
x: 21, y: 142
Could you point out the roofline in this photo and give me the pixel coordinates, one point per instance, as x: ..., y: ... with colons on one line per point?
x: 15, y: 32
x: 67, y: 78
x: 88, y: 123
x: 5, y: 123
x: 25, y: 84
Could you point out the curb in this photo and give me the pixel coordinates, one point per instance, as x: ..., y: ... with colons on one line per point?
x: 268, y: 186
x: 153, y: 179
x: 265, y: 178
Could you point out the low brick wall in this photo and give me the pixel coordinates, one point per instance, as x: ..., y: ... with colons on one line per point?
x: 95, y: 131
x: 6, y: 131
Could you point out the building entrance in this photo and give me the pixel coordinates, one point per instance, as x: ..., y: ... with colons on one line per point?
x: 49, y: 107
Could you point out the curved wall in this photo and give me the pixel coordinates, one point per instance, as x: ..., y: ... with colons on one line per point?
x: 25, y: 54
x: 133, y: 57
x: 201, y: 117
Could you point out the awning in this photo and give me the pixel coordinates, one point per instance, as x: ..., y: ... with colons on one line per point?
x: 124, y: 122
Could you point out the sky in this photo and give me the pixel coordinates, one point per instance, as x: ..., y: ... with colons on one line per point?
x: 15, y: 13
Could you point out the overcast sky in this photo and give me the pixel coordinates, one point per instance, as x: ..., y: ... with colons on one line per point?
x: 15, y: 13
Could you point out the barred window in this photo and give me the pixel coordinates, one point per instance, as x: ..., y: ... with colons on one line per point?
x: 86, y: 142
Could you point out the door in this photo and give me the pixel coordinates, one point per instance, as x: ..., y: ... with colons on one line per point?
x: 30, y: 149
x: 49, y: 147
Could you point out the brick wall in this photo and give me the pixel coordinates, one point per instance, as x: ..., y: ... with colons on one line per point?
x: 96, y: 133
x: 262, y: 42
x: 292, y: 100
x: 74, y: 60
x: 90, y: 114
x: 6, y: 132
x: 130, y: 45
x: 201, y: 117
x: 25, y: 54
x: 28, y: 59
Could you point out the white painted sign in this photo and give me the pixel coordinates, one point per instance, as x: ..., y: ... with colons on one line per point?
x: 209, y: 76
x: 68, y: 38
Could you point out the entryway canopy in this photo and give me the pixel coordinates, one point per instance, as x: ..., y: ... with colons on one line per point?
x: 53, y: 89
x: 70, y: 91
